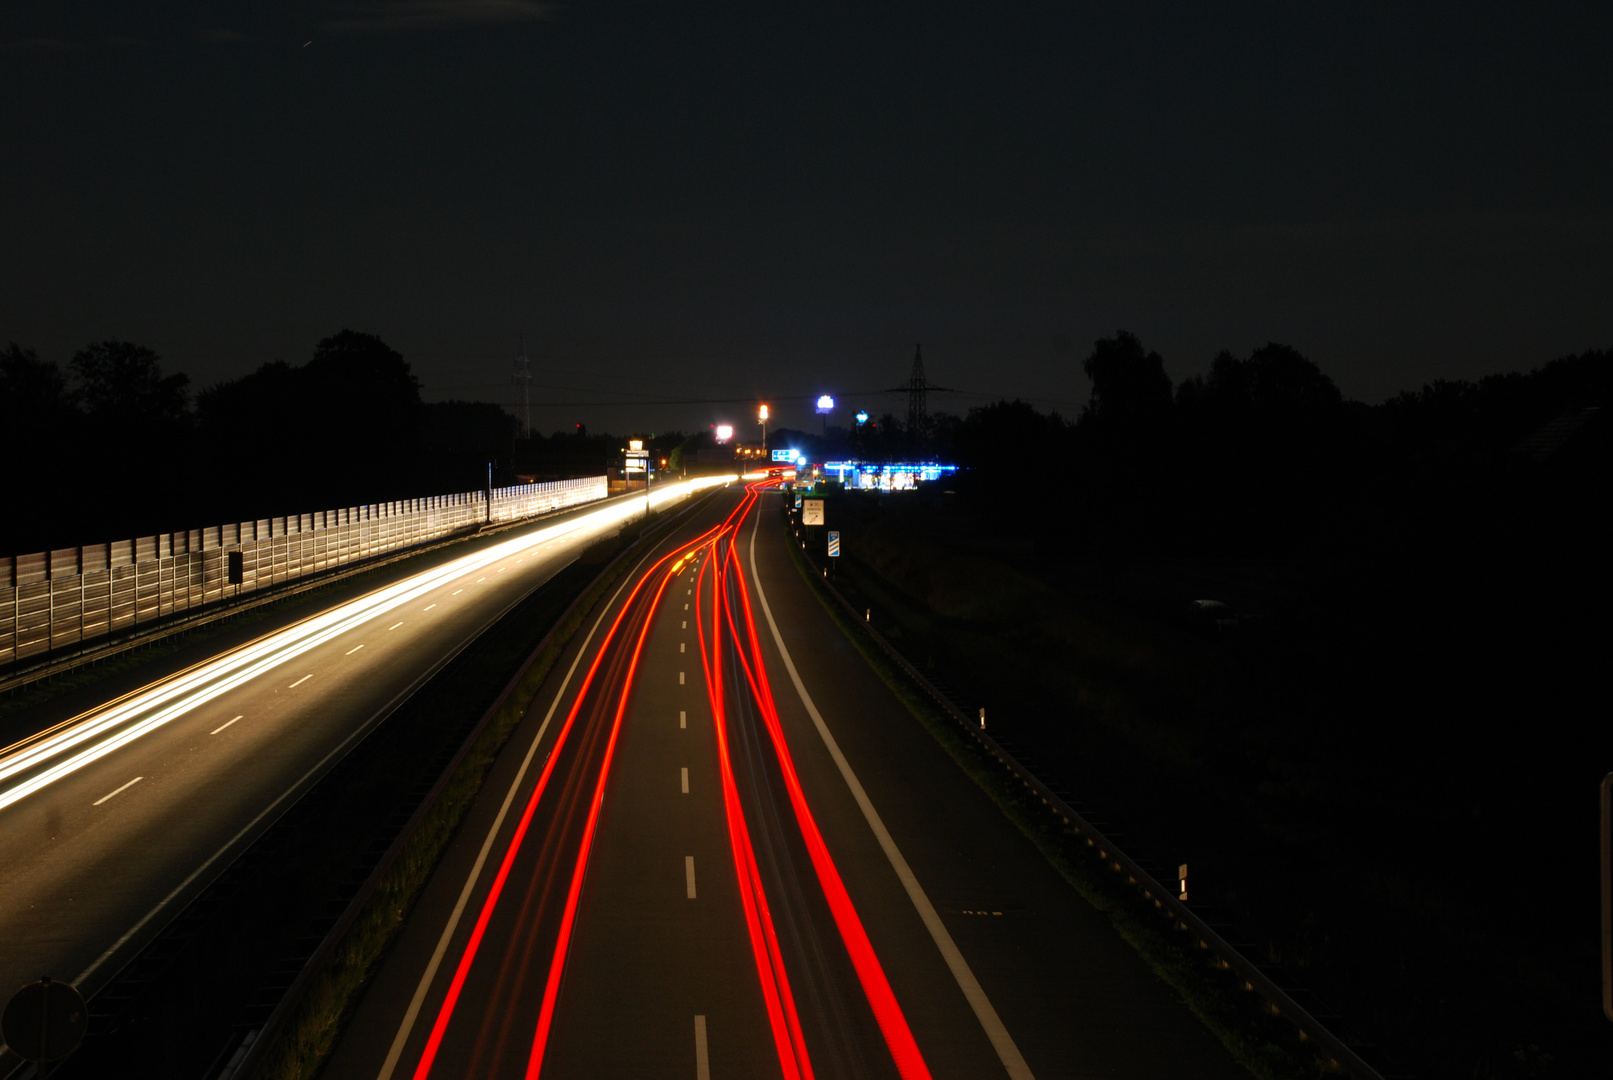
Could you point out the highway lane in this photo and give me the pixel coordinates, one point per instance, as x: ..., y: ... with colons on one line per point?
x: 756, y: 891
x: 110, y: 825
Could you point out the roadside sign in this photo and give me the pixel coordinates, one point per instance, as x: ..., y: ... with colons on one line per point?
x: 638, y: 460
x: 834, y: 542
x: 798, y: 500
x: 784, y: 455
x: 812, y: 512
x: 44, y: 1021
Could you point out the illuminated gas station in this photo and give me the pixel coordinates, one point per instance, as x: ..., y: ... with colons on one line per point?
x: 892, y: 476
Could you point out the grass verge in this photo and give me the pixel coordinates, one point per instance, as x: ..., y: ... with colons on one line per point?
x: 1262, y: 1043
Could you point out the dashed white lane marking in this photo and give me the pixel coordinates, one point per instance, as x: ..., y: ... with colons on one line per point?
x: 501, y: 569
x: 480, y: 580
x: 683, y: 718
x: 688, y: 868
x: 1007, y: 1050
x: 686, y: 624
x: 300, y: 681
x: 456, y: 592
x: 222, y: 726
x: 682, y: 647
x: 354, y: 649
x: 702, y: 1059
x: 680, y: 678
x: 137, y: 779
x: 686, y: 780
x: 685, y: 607
x: 430, y: 974
x: 428, y: 607
x: 394, y: 626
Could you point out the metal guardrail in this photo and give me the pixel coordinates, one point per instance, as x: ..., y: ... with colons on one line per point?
x: 54, y: 602
x: 1163, y: 899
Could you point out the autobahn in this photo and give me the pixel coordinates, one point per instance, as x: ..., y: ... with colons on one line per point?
x: 112, y: 819
x: 719, y: 846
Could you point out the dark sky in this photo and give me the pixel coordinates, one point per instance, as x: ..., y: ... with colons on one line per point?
x: 765, y: 199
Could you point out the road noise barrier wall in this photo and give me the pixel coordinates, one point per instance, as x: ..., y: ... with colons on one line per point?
x: 61, y: 599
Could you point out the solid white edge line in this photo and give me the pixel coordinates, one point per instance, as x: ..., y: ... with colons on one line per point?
x: 430, y: 974
x: 222, y: 726
x: 124, y: 788
x: 1001, y: 1041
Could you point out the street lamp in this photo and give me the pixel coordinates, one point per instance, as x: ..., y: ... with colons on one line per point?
x: 762, y: 415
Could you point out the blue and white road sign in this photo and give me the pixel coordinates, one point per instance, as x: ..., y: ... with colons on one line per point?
x: 834, y: 542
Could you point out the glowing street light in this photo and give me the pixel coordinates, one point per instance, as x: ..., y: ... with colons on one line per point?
x: 724, y: 432
x: 862, y: 416
x: 762, y: 415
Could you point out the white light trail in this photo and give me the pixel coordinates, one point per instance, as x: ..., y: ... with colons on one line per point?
x: 96, y: 734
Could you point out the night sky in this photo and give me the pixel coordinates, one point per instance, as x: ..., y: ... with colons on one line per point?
x: 677, y: 202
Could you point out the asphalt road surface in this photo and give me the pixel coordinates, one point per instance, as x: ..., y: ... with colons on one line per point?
x: 112, y: 820
x: 718, y: 846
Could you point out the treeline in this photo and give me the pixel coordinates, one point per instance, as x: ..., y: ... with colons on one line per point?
x: 1263, y: 456
x: 1399, y: 704
x: 114, y: 446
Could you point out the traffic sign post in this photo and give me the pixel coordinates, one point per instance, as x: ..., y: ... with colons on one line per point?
x: 812, y: 512
x: 834, y: 543
x: 44, y: 1021
x: 638, y: 460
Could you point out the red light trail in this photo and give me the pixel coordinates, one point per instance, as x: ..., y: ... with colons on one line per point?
x: 721, y: 604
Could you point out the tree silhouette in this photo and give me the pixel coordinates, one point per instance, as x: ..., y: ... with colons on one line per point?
x: 344, y: 428
x: 121, y: 384
x: 29, y: 384
x: 1129, y: 385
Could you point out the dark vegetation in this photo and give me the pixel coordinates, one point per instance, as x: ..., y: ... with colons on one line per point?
x: 114, y: 447
x: 1268, y: 1046
x: 1380, y: 758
